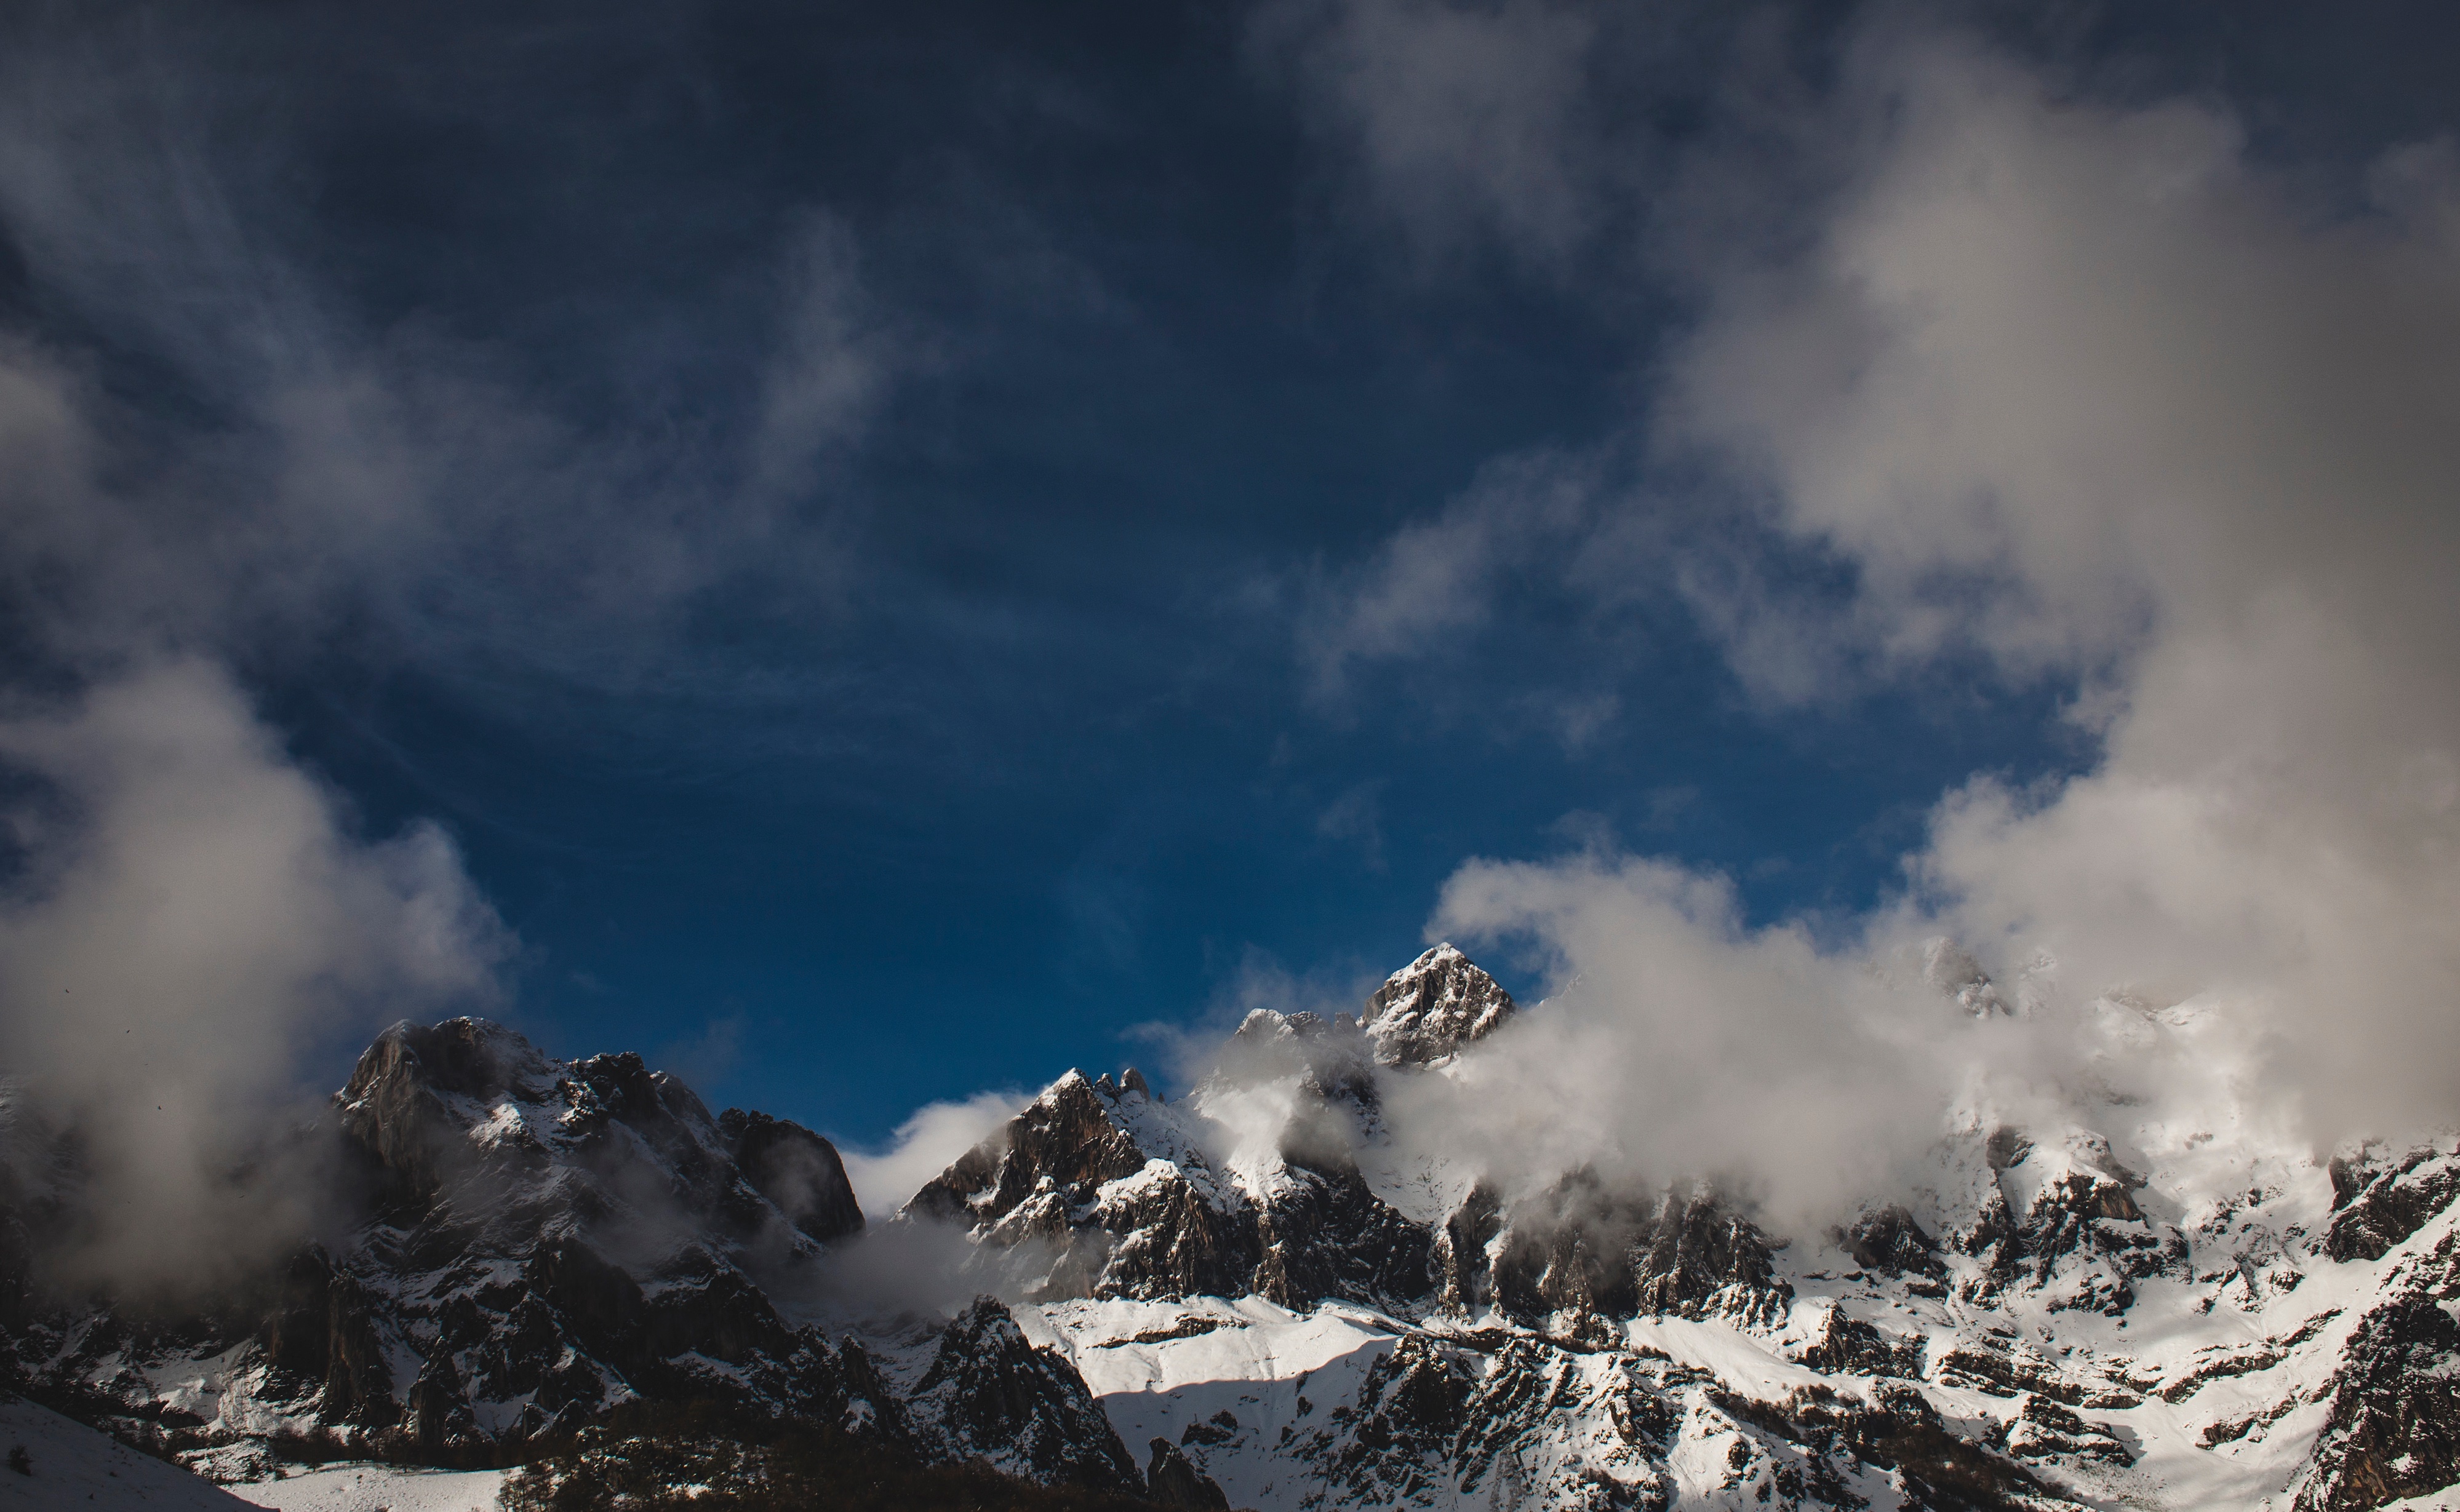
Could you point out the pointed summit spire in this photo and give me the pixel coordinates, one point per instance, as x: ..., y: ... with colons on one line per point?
x: 1425, y: 1011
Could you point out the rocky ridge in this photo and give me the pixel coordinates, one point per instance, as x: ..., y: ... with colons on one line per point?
x: 1289, y: 1308
x: 2061, y: 1316
x: 541, y: 1241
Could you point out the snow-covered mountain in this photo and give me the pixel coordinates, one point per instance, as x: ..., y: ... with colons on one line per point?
x: 2127, y: 1310
x: 1271, y: 1295
x: 543, y: 1240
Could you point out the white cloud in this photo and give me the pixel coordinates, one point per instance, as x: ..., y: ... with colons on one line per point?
x: 925, y: 1145
x: 1437, y: 578
x: 193, y: 911
x: 1679, y: 1041
x: 2068, y: 393
x: 2084, y: 390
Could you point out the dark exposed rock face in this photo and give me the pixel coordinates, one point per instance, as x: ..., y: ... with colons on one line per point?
x: 1703, y: 1260
x: 2392, y: 1430
x: 1066, y: 1140
x: 2046, y: 1431
x: 2378, y: 1205
x: 1172, y: 1480
x: 1120, y: 1189
x: 1464, y: 1276
x: 1899, y: 1431
x: 1889, y: 1240
x: 795, y: 1169
x: 548, y: 1240
x: 323, y: 1333
x: 990, y: 1395
x: 1324, y: 1234
x: 1058, y: 1176
x: 1997, y: 1363
x: 2072, y: 1235
x: 1432, y: 1007
x: 559, y: 1237
x: 1568, y: 1252
x: 1585, y: 1250
x: 1849, y: 1345
x: 1393, y: 1445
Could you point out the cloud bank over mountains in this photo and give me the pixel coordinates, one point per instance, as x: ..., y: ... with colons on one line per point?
x: 2050, y: 389
x: 192, y: 912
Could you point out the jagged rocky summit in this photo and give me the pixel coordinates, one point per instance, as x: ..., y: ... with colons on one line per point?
x: 1113, y: 1192
x: 539, y: 1242
x: 1425, y: 1012
x: 1288, y: 1306
x: 2089, y: 1312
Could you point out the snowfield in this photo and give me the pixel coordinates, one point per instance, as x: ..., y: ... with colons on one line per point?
x: 376, y: 1488
x: 73, y: 1466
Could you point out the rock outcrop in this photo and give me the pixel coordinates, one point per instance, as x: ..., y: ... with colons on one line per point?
x: 1173, y: 1481
x: 1099, y: 1191
x: 1425, y: 1012
x: 990, y: 1396
x: 795, y: 1169
x: 1585, y: 1253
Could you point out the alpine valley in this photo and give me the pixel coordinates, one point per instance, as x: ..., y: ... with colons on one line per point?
x: 1260, y: 1296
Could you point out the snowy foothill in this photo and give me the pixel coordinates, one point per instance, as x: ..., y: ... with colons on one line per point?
x: 376, y: 1488
x: 68, y: 1464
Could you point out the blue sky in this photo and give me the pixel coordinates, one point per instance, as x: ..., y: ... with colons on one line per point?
x: 902, y: 545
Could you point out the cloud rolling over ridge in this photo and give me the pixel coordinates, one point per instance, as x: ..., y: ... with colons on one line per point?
x: 2075, y: 394
x: 195, y: 909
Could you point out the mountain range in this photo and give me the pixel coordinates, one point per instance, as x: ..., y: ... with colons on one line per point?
x: 1271, y: 1293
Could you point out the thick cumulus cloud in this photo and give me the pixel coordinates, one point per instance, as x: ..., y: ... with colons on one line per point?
x: 2084, y: 390
x: 1681, y: 1043
x: 191, y: 906
x: 2076, y: 394
x: 926, y: 1144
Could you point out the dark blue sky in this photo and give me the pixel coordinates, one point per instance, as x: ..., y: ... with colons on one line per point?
x: 995, y: 721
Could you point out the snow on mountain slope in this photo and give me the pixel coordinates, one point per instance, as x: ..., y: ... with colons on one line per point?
x: 2157, y: 1302
x: 2190, y: 1400
x: 1428, y: 1010
x: 69, y: 1464
x: 2134, y: 1288
x: 543, y: 1240
x: 376, y: 1488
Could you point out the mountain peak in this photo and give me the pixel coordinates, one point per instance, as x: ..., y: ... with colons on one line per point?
x: 1425, y: 1011
x: 475, y: 1058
